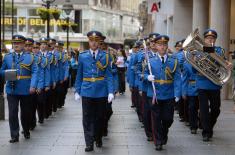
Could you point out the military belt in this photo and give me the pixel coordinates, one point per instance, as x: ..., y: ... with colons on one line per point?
x: 93, y: 79
x: 163, y: 81
x: 21, y: 77
x: 192, y: 81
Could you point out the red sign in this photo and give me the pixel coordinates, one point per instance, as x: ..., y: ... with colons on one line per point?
x: 154, y: 7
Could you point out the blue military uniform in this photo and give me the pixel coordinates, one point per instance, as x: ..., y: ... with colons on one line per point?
x: 35, y: 99
x: 143, y: 86
x: 134, y: 80
x: 52, y: 96
x: 59, y: 75
x: 94, y: 83
x: 167, y: 84
x: 209, y: 92
x: 19, y: 91
x: 189, y: 89
x: 66, y: 75
x: 181, y: 105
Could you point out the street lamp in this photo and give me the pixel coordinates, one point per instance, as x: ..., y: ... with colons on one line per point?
x: 48, y: 5
x: 67, y: 8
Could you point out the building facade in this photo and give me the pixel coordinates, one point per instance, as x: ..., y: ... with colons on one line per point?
x: 178, y: 18
x: 117, y: 19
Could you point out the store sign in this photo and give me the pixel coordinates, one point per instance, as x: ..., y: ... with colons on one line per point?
x: 154, y: 6
x: 32, y: 21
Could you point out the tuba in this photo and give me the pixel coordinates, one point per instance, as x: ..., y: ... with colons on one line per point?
x: 209, y: 64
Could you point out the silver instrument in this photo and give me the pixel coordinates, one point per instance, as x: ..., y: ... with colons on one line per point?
x: 209, y: 64
x: 11, y: 75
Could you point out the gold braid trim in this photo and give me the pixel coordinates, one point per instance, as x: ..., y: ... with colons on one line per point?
x: 100, y: 66
x: 39, y: 60
x: 52, y: 59
x: 168, y: 70
x: 25, y: 67
x: 45, y: 63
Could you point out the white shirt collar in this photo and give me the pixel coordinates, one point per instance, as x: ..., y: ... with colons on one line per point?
x: 154, y: 53
x: 43, y: 53
x: 165, y: 57
x: 19, y: 53
x: 96, y: 52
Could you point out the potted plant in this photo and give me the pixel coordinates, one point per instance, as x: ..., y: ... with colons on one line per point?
x: 74, y: 26
x: 55, y: 13
x: 43, y: 13
x: 64, y: 26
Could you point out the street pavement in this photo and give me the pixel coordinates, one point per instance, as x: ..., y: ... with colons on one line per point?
x: 62, y: 134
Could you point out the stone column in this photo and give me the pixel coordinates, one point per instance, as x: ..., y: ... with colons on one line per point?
x: 220, y: 21
x: 200, y: 15
x: 182, y: 19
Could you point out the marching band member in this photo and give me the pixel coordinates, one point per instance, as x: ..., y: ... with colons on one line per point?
x: 208, y: 92
x: 166, y: 78
x: 189, y: 93
x: 19, y: 91
x: 94, y: 83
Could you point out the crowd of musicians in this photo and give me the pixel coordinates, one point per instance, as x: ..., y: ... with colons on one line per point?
x: 160, y: 80
x: 40, y: 87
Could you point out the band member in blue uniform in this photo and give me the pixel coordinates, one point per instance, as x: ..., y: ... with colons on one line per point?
x: 131, y: 75
x: 181, y: 105
x: 109, y: 111
x: 189, y: 93
x: 166, y: 78
x: 143, y: 85
x: 19, y: 90
x: 34, y: 101
x: 94, y: 83
x: 45, y: 67
x: 53, y: 66
x: 208, y: 92
x: 134, y: 80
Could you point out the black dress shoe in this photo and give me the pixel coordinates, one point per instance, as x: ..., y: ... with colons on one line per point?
x: 210, y: 135
x: 14, y: 140
x: 149, y: 139
x: 158, y: 147
x: 40, y: 121
x: 32, y: 128
x: 89, y: 148
x: 193, y: 131
x: 164, y: 141
x: 27, y: 135
x: 206, y: 139
x: 105, y: 133
x: 181, y: 119
x: 99, y: 143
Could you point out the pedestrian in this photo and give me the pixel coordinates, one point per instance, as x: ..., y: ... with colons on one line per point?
x: 121, y: 59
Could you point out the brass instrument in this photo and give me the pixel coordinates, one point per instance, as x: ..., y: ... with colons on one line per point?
x: 209, y: 64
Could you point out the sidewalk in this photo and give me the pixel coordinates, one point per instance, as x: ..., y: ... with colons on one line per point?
x: 62, y: 134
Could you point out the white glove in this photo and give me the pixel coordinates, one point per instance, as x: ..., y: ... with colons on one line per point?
x: 110, y: 97
x: 151, y: 78
x: 77, y: 97
x: 177, y: 99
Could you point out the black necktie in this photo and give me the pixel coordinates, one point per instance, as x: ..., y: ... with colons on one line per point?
x: 18, y: 55
x: 93, y: 55
x: 162, y: 60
